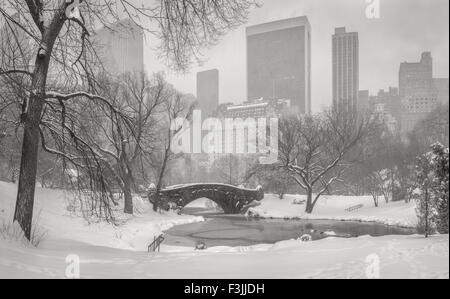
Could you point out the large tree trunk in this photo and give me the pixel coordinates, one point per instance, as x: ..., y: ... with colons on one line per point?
x: 161, y: 177
x: 309, y: 201
x: 28, y: 167
x: 31, y: 118
x: 128, y: 201
x: 158, y: 190
x: 426, y: 212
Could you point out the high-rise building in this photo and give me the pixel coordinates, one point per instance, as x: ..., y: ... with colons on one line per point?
x: 279, y: 62
x: 208, y: 91
x: 417, y: 91
x: 345, y: 70
x: 121, y: 47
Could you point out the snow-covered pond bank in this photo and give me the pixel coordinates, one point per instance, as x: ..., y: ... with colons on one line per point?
x: 397, y: 214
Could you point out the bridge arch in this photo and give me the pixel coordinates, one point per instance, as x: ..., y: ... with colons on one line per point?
x: 232, y: 200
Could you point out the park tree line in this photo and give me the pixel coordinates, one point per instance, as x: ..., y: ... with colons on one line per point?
x: 357, y: 154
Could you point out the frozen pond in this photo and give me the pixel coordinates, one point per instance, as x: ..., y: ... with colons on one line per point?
x: 235, y: 230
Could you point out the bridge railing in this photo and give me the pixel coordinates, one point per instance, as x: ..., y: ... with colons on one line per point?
x: 156, y: 244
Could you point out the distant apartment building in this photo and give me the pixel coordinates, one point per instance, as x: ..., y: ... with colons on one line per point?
x: 241, y: 114
x: 442, y: 89
x: 388, y: 107
x: 121, y: 47
x: 208, y: 91
x: 416, y: 77
x: 279, y: 62
x: 417, y: 91
x: 363, y: 101
x: 257, y: 109
x: 345, y: 70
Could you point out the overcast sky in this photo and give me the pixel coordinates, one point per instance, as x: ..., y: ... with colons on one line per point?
x: 405, y: 30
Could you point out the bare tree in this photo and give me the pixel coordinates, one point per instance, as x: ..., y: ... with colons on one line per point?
x: 126, y: 144
x: 373, y: 187
x: 174, y: 109
x: 230, y: 169
x: 59, y: 32
x: 433, y: 128
x: 314, y: 150
x: 272, y: 178
x: 389, y: 162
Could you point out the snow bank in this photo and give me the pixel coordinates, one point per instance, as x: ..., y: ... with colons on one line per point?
x: 399, y: 257
x: 334, y: 208
x: 50, y: 209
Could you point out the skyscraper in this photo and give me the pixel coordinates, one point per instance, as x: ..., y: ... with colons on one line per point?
x: 279, y: 62
x: 208, y: 91
x: 345, y: 70
x: 121, y: 48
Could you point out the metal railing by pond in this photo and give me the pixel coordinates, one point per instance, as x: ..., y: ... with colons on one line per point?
x: 354, y: 208
x: 156, y: 244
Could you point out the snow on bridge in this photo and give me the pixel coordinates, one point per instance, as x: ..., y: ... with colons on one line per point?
x: 232, y: 199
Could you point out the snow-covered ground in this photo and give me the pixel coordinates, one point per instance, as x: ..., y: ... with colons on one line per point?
x: 105, y: 251
x: 396, y: 256
x: 334, y: 208
x: 53, y: 217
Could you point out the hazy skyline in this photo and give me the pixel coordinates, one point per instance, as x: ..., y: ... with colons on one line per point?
x: 405, y: 30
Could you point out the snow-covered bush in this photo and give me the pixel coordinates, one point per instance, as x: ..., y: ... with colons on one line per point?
x: 440, y: 164
x: 200, y: 246
x: 298, y: 201
x: 433, y: 182
x: 306, y: 238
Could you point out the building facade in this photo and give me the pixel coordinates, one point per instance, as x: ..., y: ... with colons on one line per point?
x: 345, y: 70
x: 388, y: 107
x: 121, y: 48
x: 234, y: 135
x: 363, y: 101
x: 417, y: 91
x: 279, y: 62
x: 442, y: 89
x: 208, y: 91
x: 257, y: 109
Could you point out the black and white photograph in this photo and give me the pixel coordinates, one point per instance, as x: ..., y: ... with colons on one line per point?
x: 232, y: 140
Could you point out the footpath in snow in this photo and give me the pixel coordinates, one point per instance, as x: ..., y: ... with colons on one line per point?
x: 334, y: 208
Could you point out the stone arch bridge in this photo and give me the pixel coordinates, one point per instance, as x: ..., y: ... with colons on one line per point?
x: 233, y: 200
